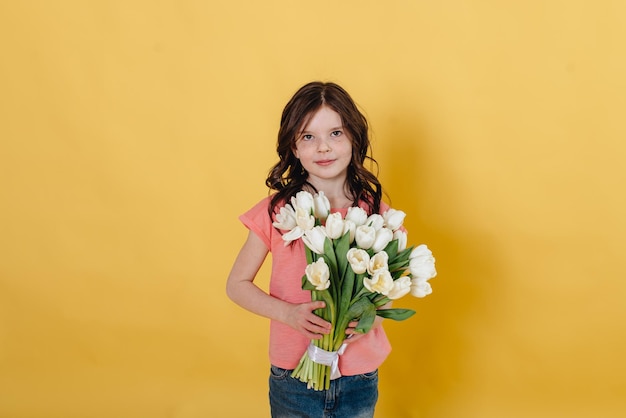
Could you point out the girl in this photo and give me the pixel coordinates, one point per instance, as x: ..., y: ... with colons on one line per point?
x: 322, y: 145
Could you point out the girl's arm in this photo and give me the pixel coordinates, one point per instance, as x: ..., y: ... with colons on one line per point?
x: 241, y: 289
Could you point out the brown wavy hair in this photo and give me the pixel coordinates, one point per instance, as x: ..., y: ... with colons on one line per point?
x: 288, y: 176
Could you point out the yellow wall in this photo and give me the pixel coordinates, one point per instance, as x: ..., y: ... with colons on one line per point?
x: 132, y: 134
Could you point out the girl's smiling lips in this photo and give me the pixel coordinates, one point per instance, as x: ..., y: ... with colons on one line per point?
x: 324, y: 162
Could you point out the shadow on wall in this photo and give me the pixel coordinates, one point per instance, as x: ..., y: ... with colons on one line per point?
x: 431, y: 363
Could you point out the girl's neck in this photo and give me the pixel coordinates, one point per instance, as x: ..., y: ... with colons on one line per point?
x: 340, y: 202
x: 337, y: 195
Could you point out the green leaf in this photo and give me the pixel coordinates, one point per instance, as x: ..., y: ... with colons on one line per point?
x: 347, y: 286
x: 306, y: 284
x: 398, y: 267
x: 310, y: 255
x: 331, y: 258
x: 364, y: 311
x: 392, y: 249
x: 379, y: 300
x: 358, y: 284
x: 402, y: 256
x: 397, y: 314
x: 367, y: 319
x: 400, y: 263
x: 342, y: 245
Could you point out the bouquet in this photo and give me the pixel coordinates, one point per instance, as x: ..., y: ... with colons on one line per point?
x: 356, y: 264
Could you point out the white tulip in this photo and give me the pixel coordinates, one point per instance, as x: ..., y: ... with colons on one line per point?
x: 286, y: 218
x: 400, y: 288
x: 349, y: 226
x: 304, y: 219
x: 318, y: 274
x: 365, y: 236
x: 420, y: 288
x: 376, y: 221
x: 381, y: 282
x: 383, y: 238
x: 358, y: 259
x: 420, y: 250
x: 334, y: 226
x: 314, y: 239
x: 321, y: 206
x: 303, y: 200
x: 293, y: 235
x: 378, y: 262
x: 393, y: 218
x: 422, y: 263
x: 357, y: 215
x: 401, y: 236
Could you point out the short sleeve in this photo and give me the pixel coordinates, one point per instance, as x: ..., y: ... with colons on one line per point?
x: 258, y: 221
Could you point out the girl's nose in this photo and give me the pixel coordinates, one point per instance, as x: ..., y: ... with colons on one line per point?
x: 323, y: 146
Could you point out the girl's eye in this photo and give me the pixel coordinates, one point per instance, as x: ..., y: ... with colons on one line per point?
x: 307, y: 137
x: 336, y: 133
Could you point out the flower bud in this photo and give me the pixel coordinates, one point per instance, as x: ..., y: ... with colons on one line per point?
x: 334, y: 226
x: 349, y: 226
x: 365, y: 236
x: 401, y: 236
x: 314, y: 239
x: 286, y: 218
x: 293, y: 235
x: 393, y: 218
x: 303, y: 200
x: 376, y: 221
x: 381, y: 282
x: 358, y: 259
x: 378, y: 262
x: 420, y: 288
x: 304, y: 219
x: 383, y: 238
x: 321, y: 206
x: 401, y: 287
x: 422, y: 263
x: 318, y: 274
x: 357, y: 215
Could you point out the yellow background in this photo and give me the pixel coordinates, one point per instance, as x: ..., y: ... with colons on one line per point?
x: 134, y: 132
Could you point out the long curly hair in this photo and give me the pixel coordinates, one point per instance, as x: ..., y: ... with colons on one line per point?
x: 288, y: 176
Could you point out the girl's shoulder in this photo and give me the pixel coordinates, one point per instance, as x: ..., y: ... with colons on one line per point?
x: 258, y: 220
x: 261, y: 206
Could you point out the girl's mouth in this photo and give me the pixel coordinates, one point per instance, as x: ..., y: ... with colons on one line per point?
x: 324, y: 162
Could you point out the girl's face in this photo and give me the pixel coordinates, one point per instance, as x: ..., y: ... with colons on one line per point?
x: 324, y: 148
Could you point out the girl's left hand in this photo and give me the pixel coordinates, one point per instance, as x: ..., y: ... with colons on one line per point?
x: 353, y: 335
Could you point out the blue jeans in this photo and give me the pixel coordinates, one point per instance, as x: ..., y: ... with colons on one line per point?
x: 347, y: 397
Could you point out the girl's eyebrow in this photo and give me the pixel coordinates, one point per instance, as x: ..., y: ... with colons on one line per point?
x: 336, y: 128
x: 305, y: 132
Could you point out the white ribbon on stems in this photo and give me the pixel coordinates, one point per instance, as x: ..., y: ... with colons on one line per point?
x: 327, y: 358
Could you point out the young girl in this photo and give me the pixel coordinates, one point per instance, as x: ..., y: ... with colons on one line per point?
x: 322, y: 145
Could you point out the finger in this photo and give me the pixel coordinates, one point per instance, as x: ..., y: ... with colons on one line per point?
x: 320, y: 322
x: 319, y: 329
x: 312, y: 335
x: 318, y: 304
x: 352, y: 338
x: 314, y: 330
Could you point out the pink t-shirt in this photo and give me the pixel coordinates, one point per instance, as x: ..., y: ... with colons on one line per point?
x: 288, y: 263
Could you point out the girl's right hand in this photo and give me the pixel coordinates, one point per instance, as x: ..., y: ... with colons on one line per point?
x: 301, y: 318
